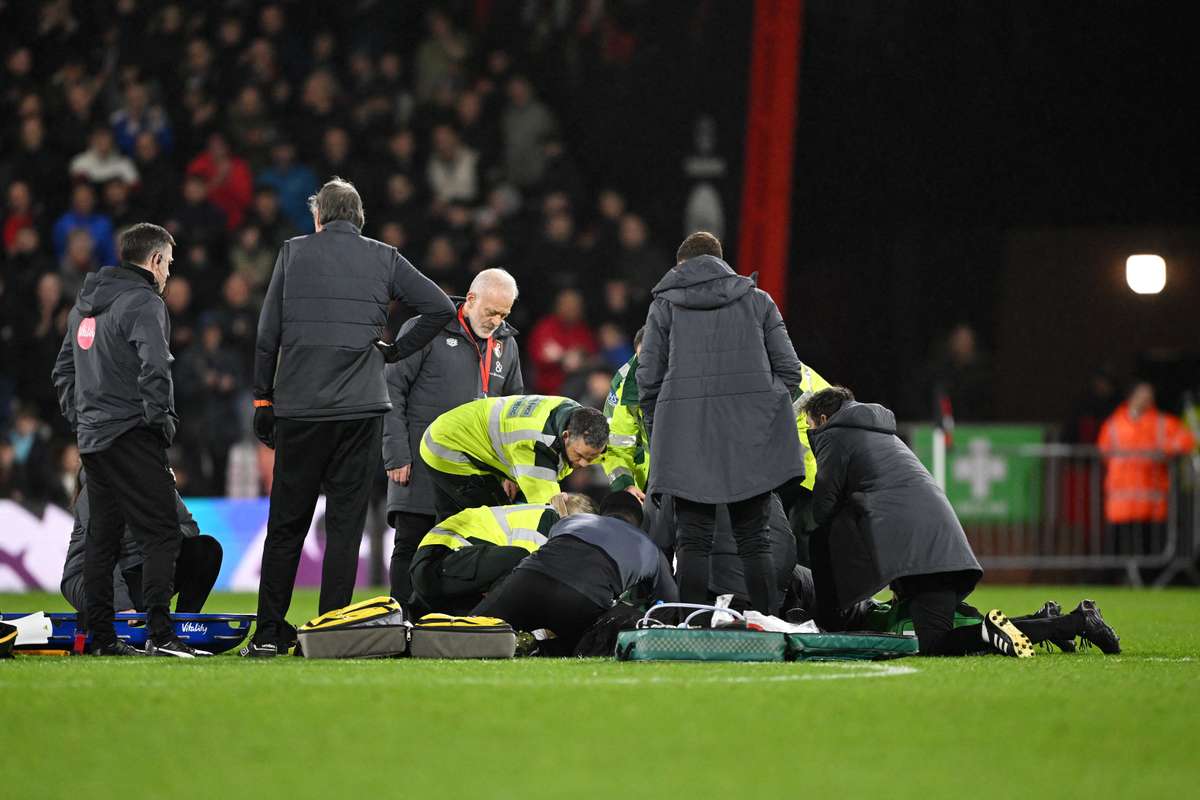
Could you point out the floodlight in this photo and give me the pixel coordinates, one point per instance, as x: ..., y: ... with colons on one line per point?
x: 1146, y: 274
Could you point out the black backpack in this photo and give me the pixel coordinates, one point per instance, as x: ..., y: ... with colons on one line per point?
x: 601, y: 638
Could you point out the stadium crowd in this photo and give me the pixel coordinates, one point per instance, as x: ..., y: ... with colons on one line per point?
x: 224, y: 127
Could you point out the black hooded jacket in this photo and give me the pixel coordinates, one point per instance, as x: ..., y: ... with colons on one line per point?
x: 113, y: 371
x: 885, y: 516
x: 715, y: 381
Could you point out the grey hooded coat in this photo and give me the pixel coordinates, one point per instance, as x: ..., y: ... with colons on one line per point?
x: 715, y: 378
x: 887, y: 517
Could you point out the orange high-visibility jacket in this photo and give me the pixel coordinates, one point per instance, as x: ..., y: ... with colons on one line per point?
x: 1137, y: 453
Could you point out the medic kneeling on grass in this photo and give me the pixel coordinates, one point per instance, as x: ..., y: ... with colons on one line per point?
x: 882, y: 520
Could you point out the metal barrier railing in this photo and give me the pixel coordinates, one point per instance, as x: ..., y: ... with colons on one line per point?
x: 1061, y: 521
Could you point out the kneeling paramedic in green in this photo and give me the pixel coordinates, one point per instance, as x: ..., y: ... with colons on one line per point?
x: 466, y: 554
x: 532, y: 441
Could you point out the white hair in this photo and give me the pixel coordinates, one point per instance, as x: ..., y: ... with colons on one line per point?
x: 495, y: 279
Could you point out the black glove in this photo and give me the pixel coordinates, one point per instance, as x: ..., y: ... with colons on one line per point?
x: 390, y: 354
x: 264, y: 425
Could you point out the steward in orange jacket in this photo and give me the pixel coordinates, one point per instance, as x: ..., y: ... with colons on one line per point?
x: 1138, y: 441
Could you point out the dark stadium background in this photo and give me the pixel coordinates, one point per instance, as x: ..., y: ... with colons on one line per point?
x: 955, y: 163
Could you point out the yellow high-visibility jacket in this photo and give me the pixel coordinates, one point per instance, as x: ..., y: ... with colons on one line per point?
x: 810, y: 383
x: 504, y: 526
x: 517, y: 437
x: 626, y: 462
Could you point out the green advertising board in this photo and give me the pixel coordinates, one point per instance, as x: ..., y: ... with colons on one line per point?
x: 988, y: 477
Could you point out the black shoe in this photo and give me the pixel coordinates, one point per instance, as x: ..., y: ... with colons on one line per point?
x: 1096, y: 631
x: 175, y: 648
x: 1049, y: 611
x: 255, y: 650
x: 1004, y: 637
x: 117, y: 648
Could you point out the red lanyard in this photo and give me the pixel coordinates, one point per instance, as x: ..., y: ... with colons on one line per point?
x: 485, y: 360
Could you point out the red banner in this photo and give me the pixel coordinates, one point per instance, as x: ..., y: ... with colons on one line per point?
x: 766, y: 216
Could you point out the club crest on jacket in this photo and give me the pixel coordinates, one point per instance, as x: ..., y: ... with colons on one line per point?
x: 451, y: 341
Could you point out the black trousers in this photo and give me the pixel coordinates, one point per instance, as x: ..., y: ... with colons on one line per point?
x: 454, y: 581
x: 339, y: 458
x: 695, y: 522
x: 196, y: 570
x: 932, y: 602
x: 130, y: 484
x: 410, y: 529
x: 455, y: 493
x: 530, y: 600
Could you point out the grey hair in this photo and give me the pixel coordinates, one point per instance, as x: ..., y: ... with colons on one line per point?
x: 338, y: 200
x: 494, y: 279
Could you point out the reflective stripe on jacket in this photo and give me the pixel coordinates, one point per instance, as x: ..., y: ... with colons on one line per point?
x: 810, y: 383
x: 518, y: 437
x: 626, y: 462
x: 511, y: 526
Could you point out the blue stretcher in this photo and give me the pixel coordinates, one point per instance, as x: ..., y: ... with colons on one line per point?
x: 215, y: 633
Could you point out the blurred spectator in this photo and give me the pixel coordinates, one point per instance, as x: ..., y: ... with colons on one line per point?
x: 1138, y: 442
x: 560, y: 343
x: 119, y: 205
x: 268, y: 217
x: 206, y: 274
x: 554, y: 262
x: 26, y: 259
x: 527, y: 124
x: 41, y: 334
x: 293, y: 184
x: 319, y: 110
x: 637, y: 261
x: 238, y: 318
x: 962, y: 375
x: 160, y: 180
x: 36, y: 164
x: 76, y: 119
x: 208, y: 378
x: 227, y: 177
x: 443, y: 268
x: 12, y: 484
x: 178, y: 296
x: 251, y: 126
x: 197, y: 221
x: 478, y: 132
x: 401, y: 154
x: 441, y: 56
x: 67, y: 484
x: 102, y: 162
x: 83, y: 216
x: 251, y: 260
x: 18, y: 212
x: 79, y: 260
x: 1092, y: 409
x: 401, y: 203
x: 453, y: 167
x: 137, y: 116
x: 337, y: 160
x: 31, y: 456
x: 616, y: 346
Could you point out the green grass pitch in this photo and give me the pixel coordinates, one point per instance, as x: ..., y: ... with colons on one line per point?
x: 1056, y: 726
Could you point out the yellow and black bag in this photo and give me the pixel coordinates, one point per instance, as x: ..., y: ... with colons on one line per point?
x: 374, y: 628
x: 446, y: 636
x: 8, y: 639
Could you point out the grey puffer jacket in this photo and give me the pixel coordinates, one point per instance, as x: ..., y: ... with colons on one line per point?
x: 326, y: 305
x: 715, y: 378
x: 886, y: 517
